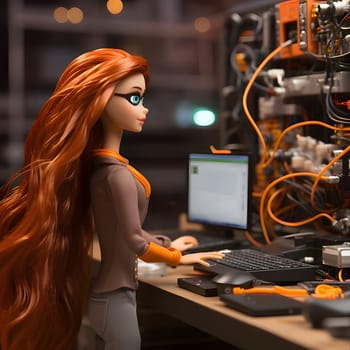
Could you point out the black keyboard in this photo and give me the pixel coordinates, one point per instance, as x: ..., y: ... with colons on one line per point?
x: 264, y: 266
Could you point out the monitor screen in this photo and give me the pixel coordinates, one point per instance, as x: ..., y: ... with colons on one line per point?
x: 219, y: 190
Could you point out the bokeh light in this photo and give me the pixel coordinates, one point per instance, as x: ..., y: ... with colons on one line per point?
x: 60, y: 14
x: 202, y: 24
x: 203, y: 117
x: 75, y: 15
x: 114, y: 6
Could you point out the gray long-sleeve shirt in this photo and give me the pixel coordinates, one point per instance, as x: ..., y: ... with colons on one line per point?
x: 119, y: 207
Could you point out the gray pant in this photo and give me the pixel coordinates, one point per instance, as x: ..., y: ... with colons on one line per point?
x: 113, y: 317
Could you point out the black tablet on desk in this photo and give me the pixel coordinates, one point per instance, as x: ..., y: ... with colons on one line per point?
x: 263, y: 304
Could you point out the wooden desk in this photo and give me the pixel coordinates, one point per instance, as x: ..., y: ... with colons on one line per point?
x: 210, y: 315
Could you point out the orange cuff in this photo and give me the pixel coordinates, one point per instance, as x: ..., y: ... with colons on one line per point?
x: 157, y: 253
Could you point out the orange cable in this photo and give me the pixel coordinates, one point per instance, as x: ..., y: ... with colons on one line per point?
x: 266, y: 191
x: 214, y: 150
x: 340, y: 275
x: 320, y: 175
x: 251, y: 239
x: 297, y: 223
x: 246, y: 93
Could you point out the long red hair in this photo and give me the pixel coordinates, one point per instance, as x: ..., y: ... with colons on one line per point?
x: 46, y: 227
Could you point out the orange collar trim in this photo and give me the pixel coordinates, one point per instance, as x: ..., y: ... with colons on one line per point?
x: 110, y: 153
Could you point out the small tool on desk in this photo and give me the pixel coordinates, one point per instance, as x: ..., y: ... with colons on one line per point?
x: 276, y: 300
x: 322, y: 291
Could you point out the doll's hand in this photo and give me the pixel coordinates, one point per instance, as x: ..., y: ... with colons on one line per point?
x: 184, y: 242
x: 200, y: 258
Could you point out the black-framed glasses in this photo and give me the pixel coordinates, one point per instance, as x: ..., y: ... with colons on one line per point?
x: 133, y: 97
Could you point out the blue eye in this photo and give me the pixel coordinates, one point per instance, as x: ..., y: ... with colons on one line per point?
x: 134, y: 97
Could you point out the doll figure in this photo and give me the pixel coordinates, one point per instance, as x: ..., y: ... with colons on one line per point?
x: 74, y: 183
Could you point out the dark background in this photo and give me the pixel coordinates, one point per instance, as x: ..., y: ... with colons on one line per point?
x: 186, y: 73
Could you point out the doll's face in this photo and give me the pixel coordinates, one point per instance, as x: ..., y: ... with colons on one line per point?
x: 125, y: 109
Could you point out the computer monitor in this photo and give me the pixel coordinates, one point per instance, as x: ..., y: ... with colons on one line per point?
x: 219, y: 190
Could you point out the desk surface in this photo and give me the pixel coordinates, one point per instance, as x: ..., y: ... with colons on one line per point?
x: 210, y: 315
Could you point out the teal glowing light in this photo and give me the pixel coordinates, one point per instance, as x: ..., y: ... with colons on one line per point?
x: 203, y: 117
